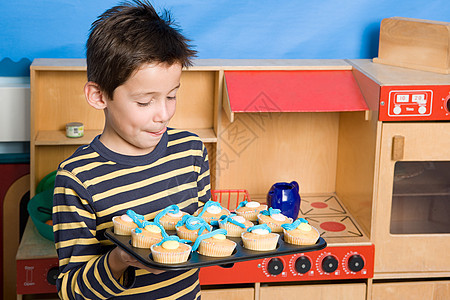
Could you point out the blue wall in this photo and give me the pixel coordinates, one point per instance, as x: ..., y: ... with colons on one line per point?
x: 218, y: 28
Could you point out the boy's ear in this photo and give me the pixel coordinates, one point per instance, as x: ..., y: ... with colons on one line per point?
x: 94, y: 96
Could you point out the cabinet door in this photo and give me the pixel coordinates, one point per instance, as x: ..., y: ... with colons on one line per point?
x: 338, y: 291
x: 229, y: 294
x: 411, y: 228
x: 431, y: 290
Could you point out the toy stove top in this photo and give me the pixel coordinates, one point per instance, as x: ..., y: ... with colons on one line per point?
x: 331, y: 218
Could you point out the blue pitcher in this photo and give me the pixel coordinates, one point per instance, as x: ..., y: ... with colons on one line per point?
x: 285, y: 197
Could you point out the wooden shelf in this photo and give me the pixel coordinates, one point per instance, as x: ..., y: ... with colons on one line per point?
x: 207, y: 135
x: 58, y: 137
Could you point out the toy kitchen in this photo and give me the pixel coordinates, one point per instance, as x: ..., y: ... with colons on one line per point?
x: 367, y: 142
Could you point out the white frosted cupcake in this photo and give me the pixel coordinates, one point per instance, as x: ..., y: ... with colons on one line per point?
x: 152, y: 233
x: 169, y: 217
x: 211, y: 211
x: 250, y: 209
x: 274, y: 219
x: 233, y: 224
x: 170, y: 251
x: 190, y: 227
x: 214, y: 244
x: 125, y: 223
x: 300, y: 233
x: 260, y: 238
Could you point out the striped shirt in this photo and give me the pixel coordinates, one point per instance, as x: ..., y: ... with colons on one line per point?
x: 94, y: 185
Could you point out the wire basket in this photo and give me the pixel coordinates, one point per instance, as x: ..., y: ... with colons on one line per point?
x: 230, y: 199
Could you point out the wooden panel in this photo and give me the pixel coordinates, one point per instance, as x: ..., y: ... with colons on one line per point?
x: 195, y: 101
x: 11, y: 232
x: 416, y: 44
x: 229, y: 294
x: 259, y: 149
x: 356, y: 165
x: 423, y: 142
x: 47, y: 159
x: 354, y: 291
x: 58, y: 99
x: 431, y: 290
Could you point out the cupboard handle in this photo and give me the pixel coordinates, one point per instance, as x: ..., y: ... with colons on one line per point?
x: 398, y: 147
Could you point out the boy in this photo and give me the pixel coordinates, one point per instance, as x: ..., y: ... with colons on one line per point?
x: 134, y: 63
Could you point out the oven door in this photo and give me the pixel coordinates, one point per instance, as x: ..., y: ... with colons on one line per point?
x: 411, y: 220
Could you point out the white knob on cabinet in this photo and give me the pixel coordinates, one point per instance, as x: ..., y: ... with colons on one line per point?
x: 422, y: 110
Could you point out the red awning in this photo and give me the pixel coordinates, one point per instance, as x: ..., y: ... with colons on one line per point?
x: 293, y: 91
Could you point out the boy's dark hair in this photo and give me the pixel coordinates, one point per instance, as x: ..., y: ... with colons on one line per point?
x: 127, y: 36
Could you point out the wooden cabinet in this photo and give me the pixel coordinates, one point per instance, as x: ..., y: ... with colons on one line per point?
x: 417, y: 290
x: 57, y: 98
x: 229, y: 294
x: 341, y: 291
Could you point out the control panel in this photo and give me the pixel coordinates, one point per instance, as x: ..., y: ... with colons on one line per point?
x: 347, y: 262
x: 37, y: 276
x: 414, y: 103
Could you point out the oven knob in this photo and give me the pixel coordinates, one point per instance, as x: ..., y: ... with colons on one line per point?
x: 302, y: 264
x: 448, y: 103
x: 355, y: 263
x: 329, y: 264
x: 275, y: 266
x: 52, y: 275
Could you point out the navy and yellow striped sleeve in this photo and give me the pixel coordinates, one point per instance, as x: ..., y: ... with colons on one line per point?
x: 84, y: 271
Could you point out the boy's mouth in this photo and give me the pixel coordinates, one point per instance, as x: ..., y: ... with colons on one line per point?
x: 158, y: 133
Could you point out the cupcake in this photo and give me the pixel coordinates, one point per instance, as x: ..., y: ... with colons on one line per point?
x: 190, y: 227
x: 274, y: 219
x: 169, y: 217
x: 171, y: 250
x: 211, y: 211
x: 233, y: 224
x: 125, y: 223
x: 259, y: 238
x: 250, y: 209
x: 152, y: 233
x: 300, y: 233
x: 214, y: 244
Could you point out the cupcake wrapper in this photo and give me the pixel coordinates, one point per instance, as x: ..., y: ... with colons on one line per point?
x: 187, y: 235
x: 250, y: 215
x: 274, y: 227
x: 260, y: 244
x: 141, y: 241
x: 170, y: 257
x: 168, y: 225
x: 214, y: 250
x: 299, y: 240
x: 232, y: 230
x: 121, y: 229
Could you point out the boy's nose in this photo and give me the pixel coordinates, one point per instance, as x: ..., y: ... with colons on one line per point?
x: 162, y: 113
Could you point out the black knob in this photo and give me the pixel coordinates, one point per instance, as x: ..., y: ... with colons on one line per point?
x: 302, y: 264
x: 448, y: 104
x: 355, y: 263
x: 329, y: 264
x: 275, y: 266
x: 52, y: 275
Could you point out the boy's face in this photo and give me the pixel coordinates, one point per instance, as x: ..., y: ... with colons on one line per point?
x: 142, y: 107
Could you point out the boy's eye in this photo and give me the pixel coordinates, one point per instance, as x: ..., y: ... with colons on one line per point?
x: 147, y: 103
x: 172, y: 98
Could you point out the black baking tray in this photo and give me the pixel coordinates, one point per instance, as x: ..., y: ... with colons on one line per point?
x: 197, y: 260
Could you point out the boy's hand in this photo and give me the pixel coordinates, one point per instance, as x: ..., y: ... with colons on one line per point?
x: 119, y: 261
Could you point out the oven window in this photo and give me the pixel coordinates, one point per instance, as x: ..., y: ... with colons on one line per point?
x: 421, y: 198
